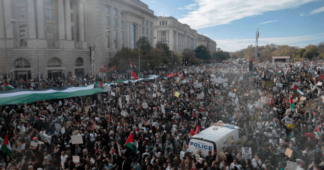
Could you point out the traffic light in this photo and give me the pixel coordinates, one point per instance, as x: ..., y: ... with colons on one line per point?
x: 250, y: 65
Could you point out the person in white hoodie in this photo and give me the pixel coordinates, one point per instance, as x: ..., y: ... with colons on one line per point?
x: 47, y: 136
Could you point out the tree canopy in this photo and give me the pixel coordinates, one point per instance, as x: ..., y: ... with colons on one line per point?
x: 202, y: 52
x: 266, y: 52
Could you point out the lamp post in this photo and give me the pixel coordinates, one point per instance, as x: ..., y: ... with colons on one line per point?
x: 12, y: 21
x: 92, y: 51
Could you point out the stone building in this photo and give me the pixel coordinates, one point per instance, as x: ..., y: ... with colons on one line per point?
x: 207, y: 42
x: 177, y: 35
x: 63, y: 31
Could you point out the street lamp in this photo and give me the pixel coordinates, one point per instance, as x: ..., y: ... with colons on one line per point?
x: 92, y: 51
x: 12, y: 21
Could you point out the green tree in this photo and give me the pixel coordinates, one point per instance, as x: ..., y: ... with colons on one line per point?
x: 300, y: 53
x: 165, y: 48
x: 221, y: 55
x: 152, y: 59
x: 144, y: 45
x: 202, y: 53
x: 122, y: 59
x: 189, y: 57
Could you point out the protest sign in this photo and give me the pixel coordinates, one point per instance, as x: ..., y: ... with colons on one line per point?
x: 117, y: 89
x: 163, y: 90
x: 113, y: 93
x: 177, y: 94
x: 57, y: 126
x: 124, y: 113
x: 76, y: 139
x: 34, y: 144
x: 192, y: 91
x: 145, y: 106
x: 288, y: 152
x: 291, y: 165
x: 86, y: 109
x: 154, y: 95
x: 246, y: 153
x: 107, y: 89
x: 76, y: 159
x: 127, y: 97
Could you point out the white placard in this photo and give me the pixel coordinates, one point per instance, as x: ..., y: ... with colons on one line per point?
x: 162, y: 108
x: 260, y: 92
x: 291, y: 165
x: 192, y: 91
x: 76, y: 159
x: 107, y: 89
x: 124, y: 113
x: 319, y: 83
x: 34, y: 144
x: 154, y: 95
x: 77, y: 139
x: 127, y: 97
x: 145, y: 106
x: 113, y: 93
x: 163, y: 90
x: 246, y: 153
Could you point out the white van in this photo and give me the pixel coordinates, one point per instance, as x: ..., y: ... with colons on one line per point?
x: 214, y: 138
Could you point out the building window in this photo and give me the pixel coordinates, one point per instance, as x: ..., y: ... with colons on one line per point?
x: 146, y: 31
x: 107, y: 20
x: 115, y: 12
x: 122, y: 39
x: 49, y: 2
x: 107, y: 10
x: 146, y: 23
x: 122, y: 24
x: 49, y: 14
x: 151, y: 32
x: 142, y: 22
x: 115, y: 38
x: 108, y: 38
x: 71, y: 17
x: 50, y: 35
x: 166, y: 22
x: 121, y: 15
x: 162, y: 22
x: 115, y: 22
x: 71, y: 5
x: 21, y: 1
x: 142, y: 30
x: 22, y: 34
x: 72, y: 33
x: 21, y: 12
x: 133, y: 36
x: 151, y: 24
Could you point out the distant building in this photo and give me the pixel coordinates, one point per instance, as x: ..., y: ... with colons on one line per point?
x: 64, y: 30
x: 280, y: 59
x: 207, y: 42
x: 177, y: 35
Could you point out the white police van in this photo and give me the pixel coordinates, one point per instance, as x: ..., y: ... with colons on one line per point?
x: 214, y: 138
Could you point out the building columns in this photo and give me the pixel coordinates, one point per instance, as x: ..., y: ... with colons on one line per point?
x: 81, y: 44
x: 68, y: 20
x: 2, y: 22
x: 31, y: 19
x: 40, y: 19
x: 61, y: 20
x: 81, y: 21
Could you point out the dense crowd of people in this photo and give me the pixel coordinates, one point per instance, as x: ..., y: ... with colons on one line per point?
x: 278, y: 109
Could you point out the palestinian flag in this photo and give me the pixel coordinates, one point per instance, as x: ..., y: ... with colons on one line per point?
x: 6, y: 146
x: 7, y: 86
x: 184, y: 76
x: 198, y: 126
x: 296, y: 89
x: 131, y: 143
x: 98, y: 84
x: 271, y: 103
x: 132, y: 65
x: 292, y: 104
x: 21, y: 80
x: 134, y: 75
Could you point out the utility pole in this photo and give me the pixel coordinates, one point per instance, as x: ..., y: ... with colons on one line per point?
x: 256, y: 47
